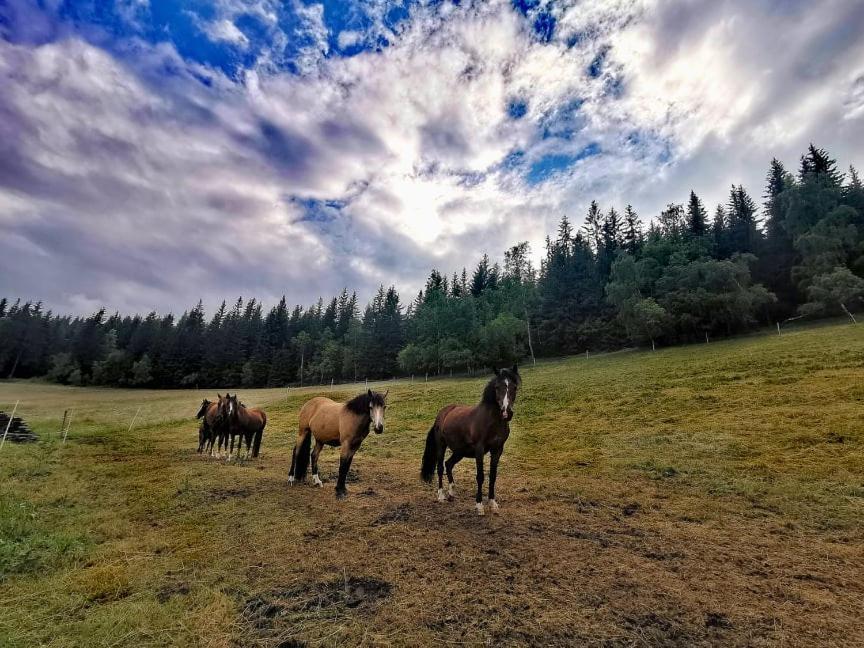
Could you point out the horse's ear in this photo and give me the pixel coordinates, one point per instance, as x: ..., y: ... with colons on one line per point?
x: 515, y: 368
x: 385, y: 394
x: 369, y: 393
x: 496, y: 370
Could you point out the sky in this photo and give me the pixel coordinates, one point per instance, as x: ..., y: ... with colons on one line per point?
x: 155, y: 152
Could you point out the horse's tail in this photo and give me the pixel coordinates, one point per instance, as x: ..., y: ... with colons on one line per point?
x: 302, y: 452
x: 430, y: 454
x: 256, y: 444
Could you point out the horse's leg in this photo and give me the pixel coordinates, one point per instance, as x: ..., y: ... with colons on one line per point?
x: 449, y: 464
x: 493, y: 474
x: 439, y: 464
x: 479, y: 501
x: 345, y: 458
x: 293, y: 463
x: 316, y: 479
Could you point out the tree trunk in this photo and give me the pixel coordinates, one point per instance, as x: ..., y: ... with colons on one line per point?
x: 14, y: 365
x: 653, y: 348
x: 530, y: 345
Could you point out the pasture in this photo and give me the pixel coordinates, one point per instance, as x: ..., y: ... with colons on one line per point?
x: 710, y: 494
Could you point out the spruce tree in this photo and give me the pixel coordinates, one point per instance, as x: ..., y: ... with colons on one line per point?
x: 696, y: 217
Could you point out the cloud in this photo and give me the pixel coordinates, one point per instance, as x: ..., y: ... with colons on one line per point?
x: 225, y: 30
x: 139, y: 177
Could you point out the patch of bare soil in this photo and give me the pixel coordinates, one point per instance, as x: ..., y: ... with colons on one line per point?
x: 273, y: 614
x: 641, y: 566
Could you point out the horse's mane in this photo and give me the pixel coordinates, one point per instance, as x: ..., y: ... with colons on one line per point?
x: 360, y: 403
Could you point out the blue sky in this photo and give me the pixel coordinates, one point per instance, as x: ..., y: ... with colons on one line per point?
x: 155, y: 152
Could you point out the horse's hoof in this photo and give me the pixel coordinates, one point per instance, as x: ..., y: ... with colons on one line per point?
x: 441, y: 496
x: 450, y: 492
x: 341, y: 494
x: 316, y: 481
x: 493, y: 505
x: 480, y: 510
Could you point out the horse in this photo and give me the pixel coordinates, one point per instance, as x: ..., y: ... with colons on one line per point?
x: 335, y: 424
x: 246, y: 422
x: 203, y: 429
x: 213, y: 426
x: 473, y: 432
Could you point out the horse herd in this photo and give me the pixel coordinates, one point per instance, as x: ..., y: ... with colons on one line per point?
x: 468, y: 431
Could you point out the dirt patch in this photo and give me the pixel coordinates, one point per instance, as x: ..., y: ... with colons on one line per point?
x: 333, y: 476
x: 399, y: 513
x: 221, y: 494
x: 328, y: 599
x: 168, y: 592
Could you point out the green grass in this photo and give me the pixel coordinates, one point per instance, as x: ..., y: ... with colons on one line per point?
x: 129, y: 538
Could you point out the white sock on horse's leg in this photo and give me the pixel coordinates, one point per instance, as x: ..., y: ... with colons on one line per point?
x: 441, y: 496
x: 290, y: 479
x: 316, y: 480
x: 450, y: 489
x: 493, y: 505
x: 479, y: 507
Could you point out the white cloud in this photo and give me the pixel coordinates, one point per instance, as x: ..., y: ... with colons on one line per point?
x: 153, y: 194
x: 225, y: 30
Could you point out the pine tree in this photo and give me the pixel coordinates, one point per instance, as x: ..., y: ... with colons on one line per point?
x: 593, y: 227
x: 696, y: 217
x: 632, y: 231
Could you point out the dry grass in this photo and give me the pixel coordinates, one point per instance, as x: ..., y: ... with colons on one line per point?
x: 701, y: 495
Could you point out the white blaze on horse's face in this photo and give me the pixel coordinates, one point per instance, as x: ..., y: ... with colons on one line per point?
x: 506, y: 404
x: 376, y: 413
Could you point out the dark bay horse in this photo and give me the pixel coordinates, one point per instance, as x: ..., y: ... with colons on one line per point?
x: 335, y: 424
x: 473, y: 432
x: 247, y: 423
x: 214, y: 425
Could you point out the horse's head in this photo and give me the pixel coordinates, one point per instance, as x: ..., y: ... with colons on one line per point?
x: 377, y: 407
x: 205, y: 404
x: 231, y: 407
x: 506, y: 383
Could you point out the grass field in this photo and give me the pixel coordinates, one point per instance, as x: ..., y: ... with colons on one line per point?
x: 700, y: 495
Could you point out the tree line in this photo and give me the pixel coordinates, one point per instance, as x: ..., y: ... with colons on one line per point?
x: 609, y: 284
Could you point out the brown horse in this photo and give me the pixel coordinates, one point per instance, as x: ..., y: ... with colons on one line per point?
x: 213, y: 426
x: 473, y: 432
x: 247, y: 423
x: 335, y: 424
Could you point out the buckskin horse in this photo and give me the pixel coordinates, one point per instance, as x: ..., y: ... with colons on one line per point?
x: 473, y: 432
x: 247, y: 423
x: 335, y: 424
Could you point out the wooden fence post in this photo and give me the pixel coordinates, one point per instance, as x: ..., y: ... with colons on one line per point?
x: 9, y: 424
x: 134, y: 418
x: 68, y: 425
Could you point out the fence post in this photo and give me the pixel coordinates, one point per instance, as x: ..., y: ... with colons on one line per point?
x: 68, y: 425
x: 134, y: 418
x: 63, y: 424
x: 331, y: 384
x: 9, y: 424
x: 778, y: 328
